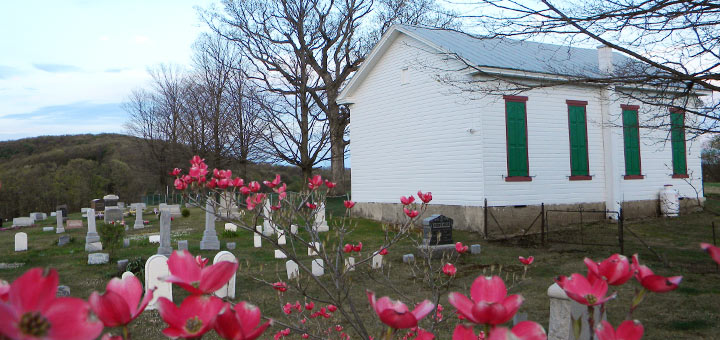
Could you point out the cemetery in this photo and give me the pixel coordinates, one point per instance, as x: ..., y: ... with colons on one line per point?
x: 85, y: 267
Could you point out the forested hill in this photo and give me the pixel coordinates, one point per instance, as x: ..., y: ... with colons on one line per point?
x: 39, y: 173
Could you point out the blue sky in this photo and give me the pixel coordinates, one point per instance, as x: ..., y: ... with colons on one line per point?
x: 66, y: 66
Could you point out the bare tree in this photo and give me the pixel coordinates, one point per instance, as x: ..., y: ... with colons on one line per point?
x: 329, y: 36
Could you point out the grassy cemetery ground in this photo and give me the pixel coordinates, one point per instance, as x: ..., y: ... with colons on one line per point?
x: 691, y: 312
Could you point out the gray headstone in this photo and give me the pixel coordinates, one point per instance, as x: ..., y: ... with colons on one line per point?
x: 60, y: 227
x: 122, y: 264
x: 110, y: 201
x: 475, y: 249
x: 113, y: 214
x: 98, y: 258
x: 165, y: 247
x: 23, y: 221
x: 126, y: 242
x: 63, y: 240
x: 38, y: 216
x: 210, y: 240
x: 230, y: 245
x: 408, y: 258
x: 138, y: 218
x: 91, y: 247
x: 92, y: 235
x: 63, y: 291
x: 48, y: 229
x: 182, y: 245
x: 21, y: 242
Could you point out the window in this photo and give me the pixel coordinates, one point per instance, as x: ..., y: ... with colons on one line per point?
x: 516, y: 133
x: 677, y: 137
x: 577, y: 126
x: 631, y: 134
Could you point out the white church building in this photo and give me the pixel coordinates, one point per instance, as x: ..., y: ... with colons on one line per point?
x: 422, y: 119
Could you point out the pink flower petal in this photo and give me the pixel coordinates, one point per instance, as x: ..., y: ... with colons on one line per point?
x: 33, y: 290
x: 630, y: 330
x: 111, y: 308
x: 70, y: 319
x: 529, y: 330
x: 214, y: 277
x: 488, y: 289
x: 463, y: 305
x: 423, y: 309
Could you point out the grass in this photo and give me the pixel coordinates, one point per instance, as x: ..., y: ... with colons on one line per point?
x: 690, y: 312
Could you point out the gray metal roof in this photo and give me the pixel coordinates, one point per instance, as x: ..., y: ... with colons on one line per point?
x: 516, y: 54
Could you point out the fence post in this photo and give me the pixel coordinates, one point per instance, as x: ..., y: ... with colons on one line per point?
x: 485, y: 217
x: 621, y: 232
x: 542, y: 224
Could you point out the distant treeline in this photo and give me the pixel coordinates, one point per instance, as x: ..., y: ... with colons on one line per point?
x: 36, y: 174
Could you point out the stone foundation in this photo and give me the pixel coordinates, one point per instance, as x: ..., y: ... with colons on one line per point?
x: 515, y: 219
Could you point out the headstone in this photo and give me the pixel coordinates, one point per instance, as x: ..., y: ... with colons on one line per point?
x: 138, y: 217
x: 142, y: 206
x: 74, y: 224
x: 122, y: 264
x: 126, y: 274
x: 311, y: 251
x: 437, y: 230
x: 317, y: 267
x: 62, y: 291
x: 154, y: 238
x: 156, y: 268
x: 562, y: 311
x: 210, y: 240
x: 63, y: 208
x: 63, y: 240
x: 350, y: 263
x: 293, y: 229
x: 321, y: 224
x: 22, y: 221
x: 38, y: 216
x: 279, y: 254
x: 97, y: 204
x: 126, y: 242
x: 281, y: 237
x: 228, y: 207
x: 174, y: 209
x: 53, y: 214
x: 230, y: 227
x: 408, y: 258
x: 182, y: 245
x: 228, y: 290
x: 48, y: 229
x: 98, y: 258
x: 165, y: 247
x: 293, y: 271
x: 110, y: 201
x: 230, y: 245
x: 92, y: 235
x: 475, y: 249
x: 268, y: 226
x: 257, y: 241
x: 60, y: 228
x: 21, y: 243
x: 92, y: 247
x: 377, y: 261
x: 113, y: 213
x: 84, y: 210
x: 121, y: 205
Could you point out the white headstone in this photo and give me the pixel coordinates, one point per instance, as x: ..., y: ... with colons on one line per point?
x: 228, y: 290
x: 281, y: 237
x: 21, y: 242
x: 350, y: 263
x: 127, y: 274
x: 279, y: 254
x: 377, y: 261
x: 562, y: 311
x: 92, y: 247
x: 293, y: 229
x: 60, y: 228
x: 48, y: 228
x: 210, y: 240
x: 139, y: 223
x: 92, y: 235
x: 98, y: 258
x: 268, y: 227
x: 230, y: 227
x: 23, y: 221
x: 53, y: 214
x: 156, y: 267
x: 321, y: 224
x: 174, y: 209
x: 311, y: 251
x: 154, y: 238
x: 293, y: 271
x: 84, y: 210
x: 257, y: 241
x: 318, y: 269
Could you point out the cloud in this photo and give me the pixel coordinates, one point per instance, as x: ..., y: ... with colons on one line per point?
x: 57, y: 68
x: 116, y: 69
x: 7, y: 72
x: 74, y: 118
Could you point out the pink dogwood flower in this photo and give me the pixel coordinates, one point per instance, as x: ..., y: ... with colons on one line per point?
x: 652, y: 282
x: 628, y: 330
x: 396, y: 314
x: 241, y: 322
x: 195, y: 277
x: 490, y: 304
x: 616, y: 269
x: 579, y: 288
x: 195, y: 316
x: 122, y: 302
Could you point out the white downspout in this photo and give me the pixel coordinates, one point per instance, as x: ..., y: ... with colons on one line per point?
x: 613, y: 162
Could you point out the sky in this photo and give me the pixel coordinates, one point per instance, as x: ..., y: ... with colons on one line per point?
x: 67, y: 66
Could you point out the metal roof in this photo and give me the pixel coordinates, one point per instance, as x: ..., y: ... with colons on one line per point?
x: 512, y: 54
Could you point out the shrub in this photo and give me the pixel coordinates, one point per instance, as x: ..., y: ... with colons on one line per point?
x: 185, y: 212
x: 229, y: 234
x: 111, y: 236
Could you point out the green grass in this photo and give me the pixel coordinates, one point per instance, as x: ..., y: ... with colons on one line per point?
x: 691, y: 312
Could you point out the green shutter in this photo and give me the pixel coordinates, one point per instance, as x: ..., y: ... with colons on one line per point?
x: 678, y: 143
x: 632, y: 142
x: 578, y: 141
x: 516, y: 139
